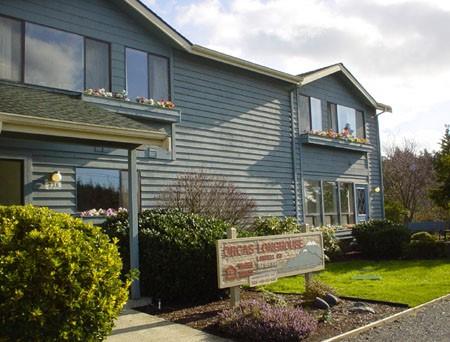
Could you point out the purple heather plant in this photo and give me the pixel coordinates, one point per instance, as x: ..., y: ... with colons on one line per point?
x: 256, y: 320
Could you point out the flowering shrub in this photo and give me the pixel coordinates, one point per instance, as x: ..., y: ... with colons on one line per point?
x: 330, y: 242
x: 317, y: 289
x: 123, y: 95
x: 255, y: 320
x: 102, y: 212
x: 336, y: 135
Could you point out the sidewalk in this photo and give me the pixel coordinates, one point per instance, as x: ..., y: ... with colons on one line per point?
x: 428, y: 323
x: 134, y: 326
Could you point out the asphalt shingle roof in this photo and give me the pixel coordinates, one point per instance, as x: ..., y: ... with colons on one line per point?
x: 39, y: 103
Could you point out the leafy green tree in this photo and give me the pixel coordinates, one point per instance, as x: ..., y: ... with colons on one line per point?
x: 441, y: 193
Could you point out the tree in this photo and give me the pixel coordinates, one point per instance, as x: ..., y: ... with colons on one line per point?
x: 441, y: 192
x: 408, y: 177
x: 209, y: 195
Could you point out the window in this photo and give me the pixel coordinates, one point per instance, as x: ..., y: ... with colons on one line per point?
x: 97, y: 64
x: 10, y: 49
x: 346, y: 119
x: 52, y: 58
x: 316, y: 114
x: 101, y: 188
x: 147, y: 75
x: 305, y: 118
x: 347, y: 203
x: 330, y: 203
x: 11, y: 178
x: 313, y: 203
x: 322, y: 200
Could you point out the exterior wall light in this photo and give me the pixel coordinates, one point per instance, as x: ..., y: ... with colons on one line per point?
x: 53, y: 181
x: 376, y: 189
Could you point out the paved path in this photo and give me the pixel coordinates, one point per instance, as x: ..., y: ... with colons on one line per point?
x: 429, y: 323
x: 135, y: 326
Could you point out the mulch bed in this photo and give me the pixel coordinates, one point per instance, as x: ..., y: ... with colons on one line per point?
x: 204, y: 316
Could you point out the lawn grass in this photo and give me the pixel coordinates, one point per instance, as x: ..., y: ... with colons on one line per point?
x: 410, y: 282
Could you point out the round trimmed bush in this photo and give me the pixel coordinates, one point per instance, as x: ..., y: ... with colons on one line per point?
x: 59, y: 277
x: 381, y: 239
x: 177, y: 253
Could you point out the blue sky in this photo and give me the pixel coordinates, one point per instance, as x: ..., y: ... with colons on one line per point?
x: 398, y: 49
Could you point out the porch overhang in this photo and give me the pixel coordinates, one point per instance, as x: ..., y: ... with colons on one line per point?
x: 79, y: 130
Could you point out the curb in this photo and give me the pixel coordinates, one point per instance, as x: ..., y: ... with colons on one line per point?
x: 382, y: 321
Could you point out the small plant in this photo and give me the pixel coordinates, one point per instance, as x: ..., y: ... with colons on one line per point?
x: 273, y: 225
x: 327, y: 317
x: 330, y: 242
x: 317, y: 288
x: 274, y: 299
x: 259, y: 321
x: 210, y: 196
x: 381, y: 239
x: 59, y: 277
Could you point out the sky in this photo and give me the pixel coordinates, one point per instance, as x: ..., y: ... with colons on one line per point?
x: 398, y: 49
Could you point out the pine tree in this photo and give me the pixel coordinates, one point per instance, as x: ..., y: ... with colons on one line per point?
x: 441, y: 194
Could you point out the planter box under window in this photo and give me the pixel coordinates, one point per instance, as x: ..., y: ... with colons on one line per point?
x: 312, y: 139
x: 135, y: 109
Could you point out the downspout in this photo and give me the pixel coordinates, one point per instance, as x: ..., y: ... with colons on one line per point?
x: 294, y: 157
x: 380, y: 165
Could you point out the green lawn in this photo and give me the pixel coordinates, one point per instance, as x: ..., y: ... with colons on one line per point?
x: 410, y: 282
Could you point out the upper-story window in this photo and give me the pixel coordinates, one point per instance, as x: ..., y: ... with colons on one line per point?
x: 338, y: 118
x: 52, y: 58
x: 147, y: 75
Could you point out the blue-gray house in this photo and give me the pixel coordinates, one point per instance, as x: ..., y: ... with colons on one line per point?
x: 301, y: 145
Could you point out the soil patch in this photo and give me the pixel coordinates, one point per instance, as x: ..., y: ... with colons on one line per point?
x: 204, y: 316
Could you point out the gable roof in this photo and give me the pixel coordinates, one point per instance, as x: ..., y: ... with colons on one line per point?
x: 201, y: 51
x: 314, y: 75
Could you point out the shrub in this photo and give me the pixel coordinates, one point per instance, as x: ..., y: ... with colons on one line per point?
x: 423, y: 236
x: 274, y: 299
x: 317, y: 289
x: 259, y: 321
x: 177, y: 253
x: 210, y: 196
x: 273, y: 225
x: 381, y: 239
x: 331, y: 245
x: 59, y: 277
x: 427, y: 249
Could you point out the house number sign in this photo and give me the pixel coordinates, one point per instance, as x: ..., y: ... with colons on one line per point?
x: 262, y: 260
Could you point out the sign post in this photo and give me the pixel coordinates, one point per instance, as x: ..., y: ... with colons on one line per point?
x: 235, y: 291
x: 256, y: 261
x: 308, y: 276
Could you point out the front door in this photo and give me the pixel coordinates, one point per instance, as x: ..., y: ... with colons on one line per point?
x: 361, y: 197
x: 11, y: 182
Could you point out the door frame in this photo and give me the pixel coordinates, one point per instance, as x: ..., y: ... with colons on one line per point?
x: 27, y: 174
x: 359, y: 218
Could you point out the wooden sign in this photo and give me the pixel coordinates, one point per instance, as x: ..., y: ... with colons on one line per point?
x: 261, y: 260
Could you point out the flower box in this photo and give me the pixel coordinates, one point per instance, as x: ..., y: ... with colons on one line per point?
x: 134, y: 108
x: 313, y: 139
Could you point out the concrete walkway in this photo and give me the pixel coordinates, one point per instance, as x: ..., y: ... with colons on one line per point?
x: 134, y: 326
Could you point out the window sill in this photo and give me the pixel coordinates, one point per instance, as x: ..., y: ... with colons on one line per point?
x: 135, y: 109
x: 312, y: 139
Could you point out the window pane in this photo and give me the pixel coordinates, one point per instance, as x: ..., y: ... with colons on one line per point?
x: 53, y: 58
x: 312, y: 195
x: 346, y: 119
x: 159, y: 77
x: 330, y: 197
x: 10, y: 49
x: 11, y: 178
x: 361, y: 201
x: 305, y: 122
x: 360, y: 132
x: 97, y: 188
x: 332, y: 117
x: 316, y: 114
x: 97, y: 64
x: 137, y: 73
x: 347, y: 202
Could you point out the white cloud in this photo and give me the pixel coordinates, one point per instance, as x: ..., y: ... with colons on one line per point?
x: 398, y: 49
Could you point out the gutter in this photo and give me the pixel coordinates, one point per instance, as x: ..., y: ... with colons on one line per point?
x: 383, y: 215
x: 294, y: 155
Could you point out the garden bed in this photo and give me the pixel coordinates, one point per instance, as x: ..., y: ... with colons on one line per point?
x: 204, y: 316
